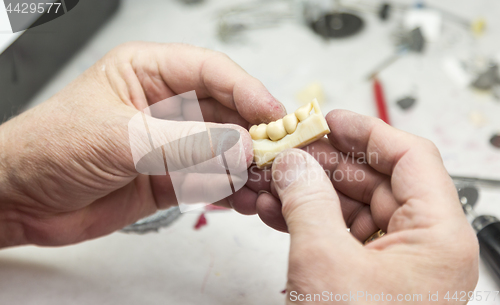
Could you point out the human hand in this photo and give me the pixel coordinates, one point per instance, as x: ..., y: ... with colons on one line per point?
x: 404, y: 190
x: 66, y: 168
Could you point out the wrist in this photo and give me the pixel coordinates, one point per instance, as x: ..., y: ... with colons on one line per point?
x: 11, y: 228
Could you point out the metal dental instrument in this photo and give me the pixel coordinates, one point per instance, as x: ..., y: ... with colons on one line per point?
x: 487, y: 229
x: 410, y: 41
x: 155, y: 222
x: 476, y: 181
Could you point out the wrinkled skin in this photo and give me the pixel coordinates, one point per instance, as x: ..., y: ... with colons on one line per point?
x: 66, y: 165
x: 405, y: 190
x: 67, y: 175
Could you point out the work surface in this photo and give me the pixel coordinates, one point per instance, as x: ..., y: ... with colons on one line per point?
x: 236, y: 259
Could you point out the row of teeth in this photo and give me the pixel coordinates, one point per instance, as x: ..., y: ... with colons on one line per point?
x: 278, y: 130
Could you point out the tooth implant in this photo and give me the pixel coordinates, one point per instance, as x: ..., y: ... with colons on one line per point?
x: 259, y: 132
x: 276, y: 130
x: 295, y: 130
x: 303, y: 112
x: 290, y: 121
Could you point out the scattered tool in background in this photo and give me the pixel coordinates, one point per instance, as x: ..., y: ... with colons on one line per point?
x: 332, y: 19
x: 155, y: 222
x: 468, y: 195
x: 495, y: 140
x: 406, y: 102
x: 488, y: 233
x: 202, y: 219
x: 477, y: 72
x: 236, y: 20
x: 487, y: 228
x: 201, y: 222
x: 385, y: 11
x: 337, y: 25
x: 413, y: 40
x: 380, y: 102
x: 476, y: 26
x: 409, y: 41
x: 461, y: 180
x: 190, y: 2
x: 487, y: 79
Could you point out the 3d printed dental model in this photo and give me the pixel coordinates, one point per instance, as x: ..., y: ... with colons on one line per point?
x: 295, y: 130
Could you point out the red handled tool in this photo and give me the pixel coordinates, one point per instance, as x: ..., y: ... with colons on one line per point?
x: 378, y: 91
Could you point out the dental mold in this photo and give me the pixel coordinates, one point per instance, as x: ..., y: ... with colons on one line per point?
x: 295, y: 130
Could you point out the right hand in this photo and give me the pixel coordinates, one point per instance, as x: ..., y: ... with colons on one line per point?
x: 405, y: 191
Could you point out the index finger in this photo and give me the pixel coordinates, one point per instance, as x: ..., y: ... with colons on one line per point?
x: 414, y: 163
x: 212, y: 74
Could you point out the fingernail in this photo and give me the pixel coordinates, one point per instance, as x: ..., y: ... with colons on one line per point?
x: 227, y: 139
x: 262, y: 192
x: 228, y: 148
x: 287, y: 169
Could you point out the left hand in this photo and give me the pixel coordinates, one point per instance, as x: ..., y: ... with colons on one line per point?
x: 66, y: 169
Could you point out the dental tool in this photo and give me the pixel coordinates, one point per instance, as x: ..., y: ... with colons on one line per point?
x: 487, y: 228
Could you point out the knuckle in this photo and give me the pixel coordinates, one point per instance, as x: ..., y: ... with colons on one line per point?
x: 128, y: 49
x: 216, y: 57
x: 124, y: 47
x: 429, y: 146
x: 220, y: 55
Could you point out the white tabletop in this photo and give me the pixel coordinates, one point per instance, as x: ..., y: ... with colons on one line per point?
x: 236, y: 259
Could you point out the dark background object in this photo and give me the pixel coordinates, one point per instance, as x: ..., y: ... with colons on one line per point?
x: 155, y: 222
x: 406, y: 102
x: 337, y: 25
x: 385, y: 11
x: 488, y: 234
x: 414, y: 40
x: 487, y: 79
x: 495, y: 140
x: 190, y: 2
x: 487, y: 228
x: 38, y: 54
x: 468, y: 196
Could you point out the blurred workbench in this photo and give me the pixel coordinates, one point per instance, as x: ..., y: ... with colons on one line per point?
x: 236, y: 259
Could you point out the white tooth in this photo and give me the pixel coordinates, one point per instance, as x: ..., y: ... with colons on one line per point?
x: 290, y: 121
x: 252, y: 131
x: 259, y: 132
x: 303, y: 112
x: 276, y: 130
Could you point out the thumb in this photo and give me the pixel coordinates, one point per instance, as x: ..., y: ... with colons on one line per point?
x: 160, y: 145
x: 310, y: 205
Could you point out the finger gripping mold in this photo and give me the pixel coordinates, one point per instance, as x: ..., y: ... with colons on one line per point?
x: 295, y: 130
